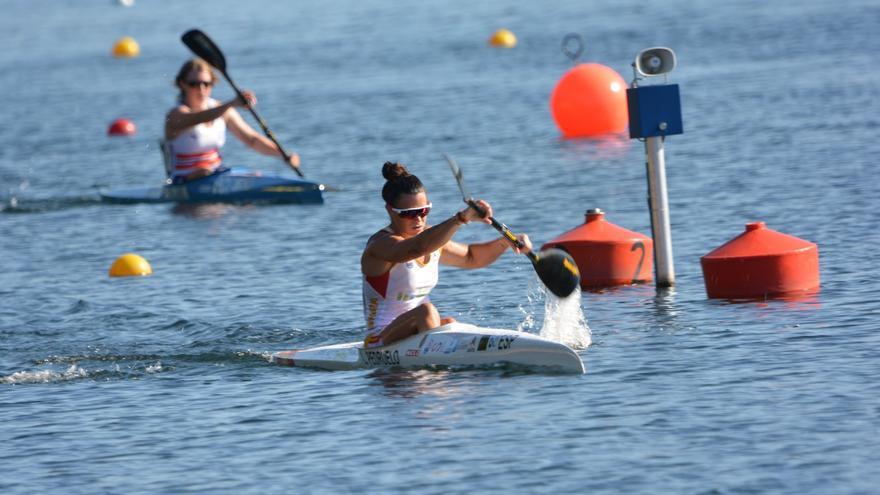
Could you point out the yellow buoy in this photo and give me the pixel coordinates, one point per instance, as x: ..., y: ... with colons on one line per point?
x: 126, y: 47
x: 130, y: 265
x: 503, y: 39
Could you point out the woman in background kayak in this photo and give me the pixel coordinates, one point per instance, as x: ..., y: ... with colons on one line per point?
x: 400, y: 262
x: 195, y: 130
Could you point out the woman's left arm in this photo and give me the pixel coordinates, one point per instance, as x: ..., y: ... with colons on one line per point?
x: 247, y: 135
x: 478, y: 255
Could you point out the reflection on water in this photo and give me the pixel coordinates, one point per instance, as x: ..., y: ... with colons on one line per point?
x: 409, y: 384
x: 204, y: 211
x: 600, y: 148
x: 665, y: 308
x: 799, y: 301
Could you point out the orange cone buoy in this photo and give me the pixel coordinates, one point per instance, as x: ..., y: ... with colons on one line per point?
x: 130, y: 265
x: 761, y: 262
x: 502, y: 39
x: 607, y: 254
x: 590, y: 100
x: 121, y: 127
x: 126, y: 47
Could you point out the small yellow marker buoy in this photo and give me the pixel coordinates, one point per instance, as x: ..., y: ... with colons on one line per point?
x: 503, y: 39
x: 130, y: 265
x: 126, y: 47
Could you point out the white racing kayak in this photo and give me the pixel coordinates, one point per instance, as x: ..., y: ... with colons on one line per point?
x: 456, y: 344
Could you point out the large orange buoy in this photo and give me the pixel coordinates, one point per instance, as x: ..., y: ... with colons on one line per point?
x: 121, y: 127
x: 590, y: 100
x: 607, y: 254
x: 761, y: 262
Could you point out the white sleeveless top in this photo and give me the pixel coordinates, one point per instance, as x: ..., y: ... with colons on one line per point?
x: 198, y: 146
x: 400, y: 289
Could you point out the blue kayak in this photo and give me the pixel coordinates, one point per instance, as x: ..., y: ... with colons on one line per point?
x: 230, y: 186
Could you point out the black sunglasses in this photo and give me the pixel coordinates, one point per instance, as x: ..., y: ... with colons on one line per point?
x: 196, y: 84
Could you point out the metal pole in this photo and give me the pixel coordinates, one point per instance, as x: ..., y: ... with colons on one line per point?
x: 659, y: 204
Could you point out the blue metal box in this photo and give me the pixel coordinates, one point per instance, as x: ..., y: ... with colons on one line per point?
x: 654, y: 111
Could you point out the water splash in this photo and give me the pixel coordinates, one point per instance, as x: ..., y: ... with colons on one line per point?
x: 44, y: 376
x: 564, y: 320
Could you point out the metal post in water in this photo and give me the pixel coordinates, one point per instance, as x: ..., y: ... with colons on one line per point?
x: 654, y: 113
x: 658, y: 202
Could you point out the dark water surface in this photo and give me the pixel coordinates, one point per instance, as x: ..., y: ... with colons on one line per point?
x: 161, y: 384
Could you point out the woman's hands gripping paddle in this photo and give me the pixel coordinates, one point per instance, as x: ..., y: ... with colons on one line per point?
x: 556, y: 268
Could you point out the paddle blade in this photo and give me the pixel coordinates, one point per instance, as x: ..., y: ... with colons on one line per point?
x: 459, y: 178
x: 204, y: 48
x: 558, y: 271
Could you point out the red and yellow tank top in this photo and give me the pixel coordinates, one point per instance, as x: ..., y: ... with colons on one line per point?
x: 400, y: 289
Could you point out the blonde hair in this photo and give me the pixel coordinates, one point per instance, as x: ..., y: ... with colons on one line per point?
x: 188, y: 66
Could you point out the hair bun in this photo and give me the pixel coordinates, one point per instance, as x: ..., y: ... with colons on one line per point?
x: 394, y: 170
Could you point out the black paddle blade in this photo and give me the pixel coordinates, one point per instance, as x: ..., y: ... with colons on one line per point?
x: 204, y: 48
x: 558, y: 271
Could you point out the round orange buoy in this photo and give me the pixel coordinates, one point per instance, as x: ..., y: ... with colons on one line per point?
x: 121, y: 127
x: 130, y: 265
x: 607, y: 254
x: 761, y: 262
x: 126, y: 47
x: 590, y: 100
x: 502, y: 39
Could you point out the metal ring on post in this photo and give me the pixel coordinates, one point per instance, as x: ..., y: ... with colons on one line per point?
x: 575, y: 54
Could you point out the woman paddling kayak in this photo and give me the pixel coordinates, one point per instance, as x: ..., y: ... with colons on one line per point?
x: 400, y: 262
x: 195, y: 130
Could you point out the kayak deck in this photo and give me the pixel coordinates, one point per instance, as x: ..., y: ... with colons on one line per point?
x: 235, y: 186
x: 456, y: 344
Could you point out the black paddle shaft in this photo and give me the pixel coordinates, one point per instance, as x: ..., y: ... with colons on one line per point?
x: 500, y: 227
x: 556, y: 268
x: 205, y: 48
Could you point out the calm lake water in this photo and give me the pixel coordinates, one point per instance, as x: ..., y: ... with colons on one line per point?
x: 161, y: 384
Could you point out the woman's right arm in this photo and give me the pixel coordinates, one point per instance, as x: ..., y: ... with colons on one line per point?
x: 395, y: 249
x: 182, y: 118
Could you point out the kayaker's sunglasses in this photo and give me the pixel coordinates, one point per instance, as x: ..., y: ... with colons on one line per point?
x: 418, y: 212
x: 196, y: 84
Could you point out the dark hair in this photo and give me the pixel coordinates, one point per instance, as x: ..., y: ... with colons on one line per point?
x: 399, y: 181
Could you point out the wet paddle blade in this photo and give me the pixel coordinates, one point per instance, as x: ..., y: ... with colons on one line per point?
x: 202, y: 46
x: 558, y: 271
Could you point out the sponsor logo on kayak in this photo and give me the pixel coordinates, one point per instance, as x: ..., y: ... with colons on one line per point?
x: 490, y: 342
x: 381, y: 358
x: 439, y: 344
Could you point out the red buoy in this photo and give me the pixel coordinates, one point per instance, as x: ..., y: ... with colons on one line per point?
x: 121, y: 127
x: 607, y: 254
x: 761, y: 262
x: 590, y: 100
